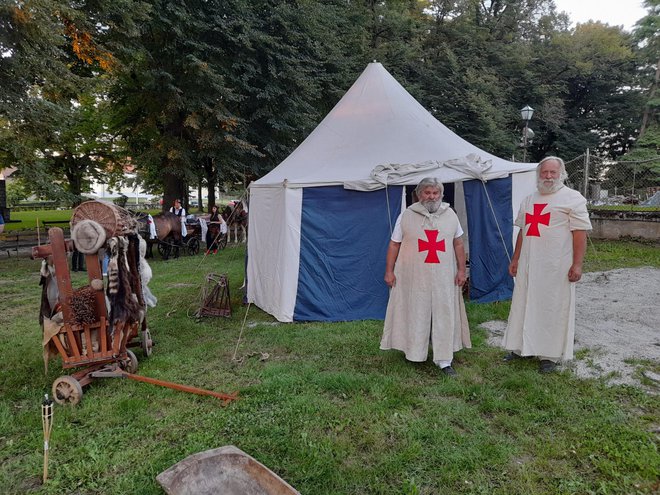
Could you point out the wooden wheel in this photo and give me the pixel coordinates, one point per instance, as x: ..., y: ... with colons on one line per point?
x: 222, y: 242
x: 67, y: 390
x: 130, y: 365
x: 164, y: 249
x: 192, y: 246
x: 147, y: 344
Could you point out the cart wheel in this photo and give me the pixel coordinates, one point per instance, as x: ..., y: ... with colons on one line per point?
x: 164, y: 249
x: 130, y: 365
x: 193, y: 246
x: 147, y: 343
x: 222, y: 242
x: 67, y: 390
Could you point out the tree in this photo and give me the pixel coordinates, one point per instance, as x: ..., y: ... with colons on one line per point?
x: 171, y: 99
x: 54, y: 65
x: 648, y: 43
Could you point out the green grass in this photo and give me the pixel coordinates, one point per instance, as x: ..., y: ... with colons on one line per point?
x: 606, y: 255
x: 29, y: 219
x: 319, y: 404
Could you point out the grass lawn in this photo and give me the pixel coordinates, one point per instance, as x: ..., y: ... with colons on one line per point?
x: 319, y: 404
x: 28, y: 219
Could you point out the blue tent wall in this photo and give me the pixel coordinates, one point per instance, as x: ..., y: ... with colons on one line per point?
x: 489, y: 263
x: 343, y: 244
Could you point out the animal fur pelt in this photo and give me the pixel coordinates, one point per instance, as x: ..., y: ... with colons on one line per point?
x: 49, y: 292
x: 124, y: 304
x: 133, y: 261
x: 145, y: 275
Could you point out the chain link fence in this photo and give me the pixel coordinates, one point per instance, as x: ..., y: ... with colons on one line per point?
x: 621, y: 184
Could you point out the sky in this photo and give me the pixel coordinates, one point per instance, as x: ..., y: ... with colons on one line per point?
x: 612, y: 12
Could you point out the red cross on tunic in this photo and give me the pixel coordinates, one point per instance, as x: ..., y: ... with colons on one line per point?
x: 535, y: 219
x: 432, y: 246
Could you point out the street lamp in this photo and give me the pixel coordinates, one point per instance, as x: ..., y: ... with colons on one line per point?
x: 526, y: 114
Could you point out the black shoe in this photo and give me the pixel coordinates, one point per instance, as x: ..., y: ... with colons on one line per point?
x: 547, y: 366
x: 448, y: 371
x: 512, y: 356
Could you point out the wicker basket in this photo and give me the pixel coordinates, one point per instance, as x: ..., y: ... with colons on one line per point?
x: 114, y: 219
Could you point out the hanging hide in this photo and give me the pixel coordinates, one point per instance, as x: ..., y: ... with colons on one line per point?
x: 124, y: 305
x: 49, y: 291
x: 133, y: 263
x: 145, y: 276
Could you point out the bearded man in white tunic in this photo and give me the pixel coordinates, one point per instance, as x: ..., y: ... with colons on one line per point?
x: 546, y: 264
x: 425, y: 268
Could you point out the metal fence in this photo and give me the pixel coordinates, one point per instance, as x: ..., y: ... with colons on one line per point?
x: 607, y: 182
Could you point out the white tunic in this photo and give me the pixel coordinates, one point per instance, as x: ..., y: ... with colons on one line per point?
x: 425, y: 301
x: 542, y: 316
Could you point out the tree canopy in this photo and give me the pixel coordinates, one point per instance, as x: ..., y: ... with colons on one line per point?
x: 211, y: 91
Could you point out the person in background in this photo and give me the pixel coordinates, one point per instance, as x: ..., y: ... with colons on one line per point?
x: 546, y: 264
x: 77, y: 260
x: 425, y: 268
x: 180, y: 212
x: 217, y: 226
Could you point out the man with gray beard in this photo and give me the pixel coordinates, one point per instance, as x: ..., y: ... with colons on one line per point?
x: 546, y: 264
x: 425, y: 268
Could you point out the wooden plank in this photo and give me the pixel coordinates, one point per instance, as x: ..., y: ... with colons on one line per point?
x: 60, y: 348
x: 72, y: 342
x: 62, y: 276
x: 117, y: 336
x: 88, y: 341
x: 45, y: 250
x: 103, y: 335
x: 93, y: 264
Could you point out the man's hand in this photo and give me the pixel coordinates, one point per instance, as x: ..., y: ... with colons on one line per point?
x: 513, y: 268
x: 575, y: 272
x: 390, y: 279
x: 460, y: 278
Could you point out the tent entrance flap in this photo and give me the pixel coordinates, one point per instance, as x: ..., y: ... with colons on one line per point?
x: 490, y: 227
x: 343, y: 244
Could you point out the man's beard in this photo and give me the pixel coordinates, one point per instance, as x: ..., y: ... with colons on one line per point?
x: 431, y: 205
x: 548, y: 186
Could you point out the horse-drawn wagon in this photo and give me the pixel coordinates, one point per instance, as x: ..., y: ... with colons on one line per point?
x: 164, y: 230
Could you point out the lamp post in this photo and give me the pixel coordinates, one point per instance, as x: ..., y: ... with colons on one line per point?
x: 526, y: 114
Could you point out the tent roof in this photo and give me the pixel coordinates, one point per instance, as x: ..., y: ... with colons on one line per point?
x: 378, y: 123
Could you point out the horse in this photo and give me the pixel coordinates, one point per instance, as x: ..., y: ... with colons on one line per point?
x: 168, y: 233
x: 236, y: 217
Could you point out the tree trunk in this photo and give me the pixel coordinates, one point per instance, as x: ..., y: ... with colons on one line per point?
x: 211, y: 176
x: 173, y: 188
x: 200, y: 203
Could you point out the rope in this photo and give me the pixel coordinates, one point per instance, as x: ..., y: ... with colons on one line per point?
x: 492, y: 210
x: 389, y: 213
x: 240, y: 335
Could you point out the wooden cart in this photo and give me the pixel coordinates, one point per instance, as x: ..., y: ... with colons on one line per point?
x: 97, y: 346
x: 90, y: 345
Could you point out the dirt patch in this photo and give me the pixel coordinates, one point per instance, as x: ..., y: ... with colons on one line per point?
x: 617, y: 326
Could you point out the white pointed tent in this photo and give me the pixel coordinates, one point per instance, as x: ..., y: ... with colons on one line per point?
x: 313, y: 239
